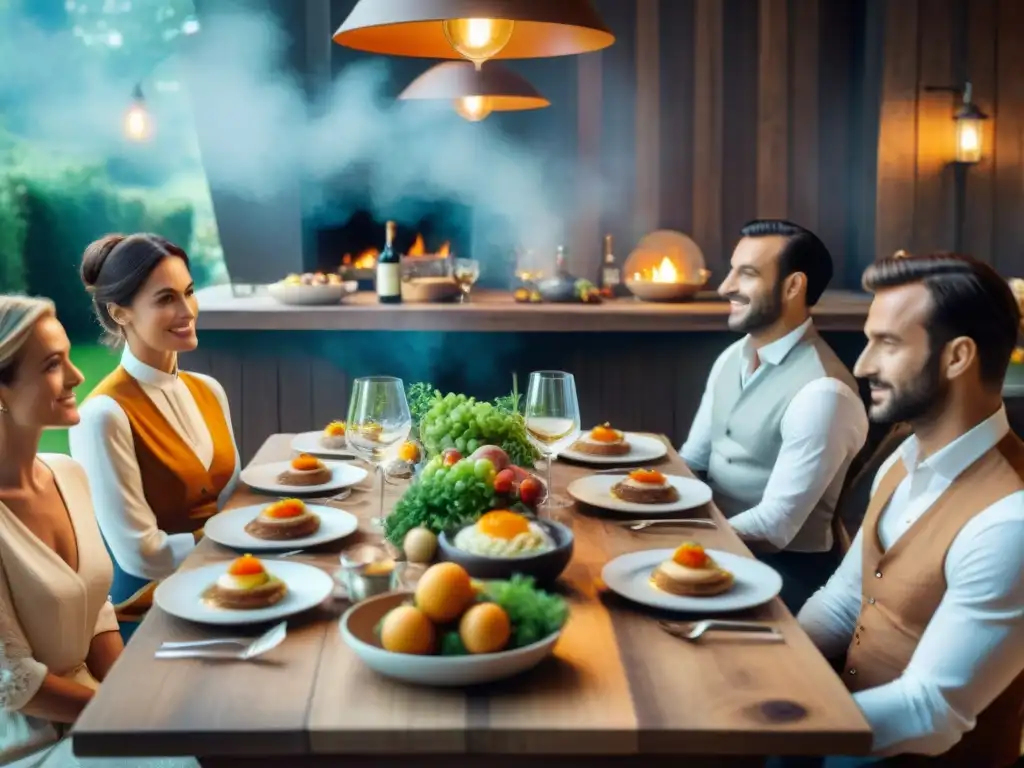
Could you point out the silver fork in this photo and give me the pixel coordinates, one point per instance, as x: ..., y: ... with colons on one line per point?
x: 694, y: 632
x: 250, y: 649
x: 642, y: 525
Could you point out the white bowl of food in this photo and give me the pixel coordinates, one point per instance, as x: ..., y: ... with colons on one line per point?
x: 312, y: 289
x: 442, y: 636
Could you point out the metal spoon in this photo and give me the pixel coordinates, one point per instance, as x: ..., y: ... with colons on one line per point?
x: 693, y: 632
x: 641, y: 525
x: 189, y: 649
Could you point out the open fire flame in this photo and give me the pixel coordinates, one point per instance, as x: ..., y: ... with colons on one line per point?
x: 367, y: 259
x: 665, y: 272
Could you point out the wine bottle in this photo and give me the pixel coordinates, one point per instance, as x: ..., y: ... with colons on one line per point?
x: 389, y: 270
x: 560, y: 268
x: 611, y: 274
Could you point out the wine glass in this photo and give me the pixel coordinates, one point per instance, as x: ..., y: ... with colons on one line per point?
x: 467, y: 272
x: 552, y: 416
x: 378, y: 418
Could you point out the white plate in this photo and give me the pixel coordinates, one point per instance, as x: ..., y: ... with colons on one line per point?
x: 309, y: 442
x: 641, y: 448
x: 596, y: 490
x: 630, y: 576
x: 228, y: 528
x: 311, y: 295
x: 181, y: 595
x: 263, y: 477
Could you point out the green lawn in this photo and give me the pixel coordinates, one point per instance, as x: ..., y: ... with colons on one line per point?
x: 94, y: 361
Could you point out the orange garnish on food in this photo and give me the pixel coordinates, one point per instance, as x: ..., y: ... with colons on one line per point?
x: 410, y: 452
x: 690, y: 555
x: 305, y: 461
x: 605, y: 434
x: 246, y: 565
x: 335, y: 429
x: 651, y: 476
x: 382, y: 568
x: 502, y: 524
x: 286, y: 508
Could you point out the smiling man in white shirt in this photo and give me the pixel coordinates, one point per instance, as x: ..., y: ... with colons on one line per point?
x: 928, y: 604
x: 780, y: 420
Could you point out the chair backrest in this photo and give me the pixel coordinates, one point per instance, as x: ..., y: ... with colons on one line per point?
x: 856, y: 493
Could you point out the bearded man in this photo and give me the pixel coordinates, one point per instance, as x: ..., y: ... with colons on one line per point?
x: 928, y: 604
x: 780, y: 420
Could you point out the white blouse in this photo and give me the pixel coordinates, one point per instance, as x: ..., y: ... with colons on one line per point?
x: 49, y: 613
x: 102, y: 442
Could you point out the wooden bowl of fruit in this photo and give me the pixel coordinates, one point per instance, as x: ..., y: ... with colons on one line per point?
x: 452, y: 631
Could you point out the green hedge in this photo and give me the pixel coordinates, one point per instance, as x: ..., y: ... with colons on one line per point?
x: 59, y: 218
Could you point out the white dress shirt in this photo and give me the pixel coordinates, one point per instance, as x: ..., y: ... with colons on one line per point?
x: 973, y: 647
x: 823, y: 428
x: 102, y: 442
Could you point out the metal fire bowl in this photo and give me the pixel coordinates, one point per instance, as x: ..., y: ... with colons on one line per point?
x: 647, y: 290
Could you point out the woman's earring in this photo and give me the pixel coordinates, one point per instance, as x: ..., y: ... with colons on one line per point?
x: 3, y: 408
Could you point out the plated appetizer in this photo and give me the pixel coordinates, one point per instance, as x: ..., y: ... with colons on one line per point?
x: 602, y: 441
x: 451, y: 615
x: 645, y: 486
x: 503, y: 533
x: 333, y: 436
x: 691, y: 572
x: 305, y: 469
x: 284, y: 519
x: 246, y: 585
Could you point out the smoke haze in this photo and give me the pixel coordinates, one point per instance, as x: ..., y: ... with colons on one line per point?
x: 234, y: 67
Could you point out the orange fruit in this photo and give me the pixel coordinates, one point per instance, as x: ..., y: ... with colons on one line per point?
x: 444, y: 591
x: 485, y: 628
x: 406, y: 629
x: 410, y: 452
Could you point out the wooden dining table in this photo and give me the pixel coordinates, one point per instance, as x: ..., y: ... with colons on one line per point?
x: 617, y: 686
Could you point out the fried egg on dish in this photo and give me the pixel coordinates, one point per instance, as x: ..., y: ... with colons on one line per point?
x: 504, y: 534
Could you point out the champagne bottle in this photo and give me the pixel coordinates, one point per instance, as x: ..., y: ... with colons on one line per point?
x: 389, y: 270
x: 611, y: 274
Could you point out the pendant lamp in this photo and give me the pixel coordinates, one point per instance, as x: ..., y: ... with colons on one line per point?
x: 474, y: 92
x: 477, y: 30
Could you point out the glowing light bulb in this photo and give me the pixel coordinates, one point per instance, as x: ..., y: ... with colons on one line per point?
x: 968, y: 140
x: 478, y: 39
x: 474, y: 108
x: 138, y: 126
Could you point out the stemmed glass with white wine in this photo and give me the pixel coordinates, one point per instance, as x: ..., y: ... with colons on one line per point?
x: 466, y: 272
x: 552, y: 416
x: 378, y: 418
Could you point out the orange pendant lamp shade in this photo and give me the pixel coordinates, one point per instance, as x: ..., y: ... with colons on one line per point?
x: 474, y: 92
x: 477, y: 30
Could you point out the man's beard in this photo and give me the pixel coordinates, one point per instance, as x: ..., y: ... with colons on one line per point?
x: 761, y: 312
x: 917, y: 400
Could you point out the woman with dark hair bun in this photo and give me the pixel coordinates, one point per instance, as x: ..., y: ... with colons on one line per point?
x: 156, y: 442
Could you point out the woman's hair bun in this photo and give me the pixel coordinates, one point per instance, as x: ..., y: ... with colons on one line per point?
x: 95, y: 256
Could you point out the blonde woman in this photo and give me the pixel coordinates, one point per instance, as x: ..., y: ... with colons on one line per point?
x: 58, y: 633
x: 156, y: 442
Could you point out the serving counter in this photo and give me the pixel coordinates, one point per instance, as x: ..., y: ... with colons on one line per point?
x: 288, y: 368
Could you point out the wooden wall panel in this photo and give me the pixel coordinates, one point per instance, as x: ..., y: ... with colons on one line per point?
x: 980, y: 67
x: 646, y: 202
x: 677, y: 113
x: 803, y: 155
x: 773, y: 110
x: 897, y: 137
x: 1008, y: 227
x: 708, y: 130
x: 936, y: 130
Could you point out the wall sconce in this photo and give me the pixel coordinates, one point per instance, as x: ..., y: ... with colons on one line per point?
x: 968, y: 125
